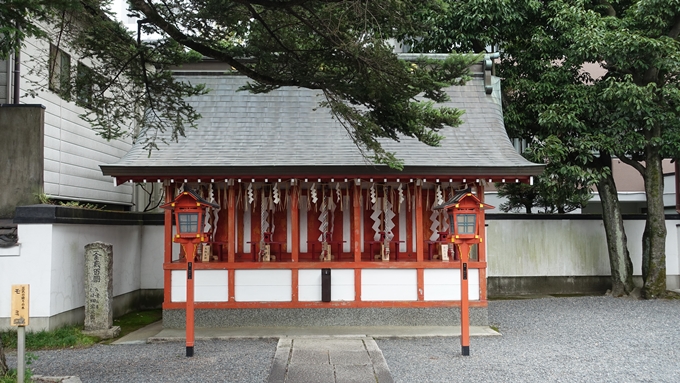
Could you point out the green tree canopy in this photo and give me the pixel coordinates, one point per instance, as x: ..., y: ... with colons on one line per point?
x: 337, y: 47
x: 632, y: 111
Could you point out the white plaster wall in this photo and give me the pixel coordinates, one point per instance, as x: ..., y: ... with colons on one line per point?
x: 209, y: 286
x: 389, y: 285
x: 342, y: 285
x: 263, y: 285
x: 546, y: 248
x: 212, y: 286
x: 309, y: 285
x: 68, y: 261
x: 178, y: 286
x: 5, y: 85
x: 152, y: 257
x: 445, y: 284
x: 672, y: 253
x: 32, y: 266
x: 567, y: 248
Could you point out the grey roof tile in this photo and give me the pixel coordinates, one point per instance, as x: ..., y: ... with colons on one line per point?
x: 287, y: 128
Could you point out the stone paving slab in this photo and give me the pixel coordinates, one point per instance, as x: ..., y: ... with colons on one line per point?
x: 344, y: 357
x: 329, y: 359
x: 302, y: 356
x: 355, y: 374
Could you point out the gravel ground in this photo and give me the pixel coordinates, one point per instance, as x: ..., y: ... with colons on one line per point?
x: 586, y: 339
x: 213, y: 361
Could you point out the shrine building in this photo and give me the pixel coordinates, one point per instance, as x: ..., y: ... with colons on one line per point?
x: 306, y: 231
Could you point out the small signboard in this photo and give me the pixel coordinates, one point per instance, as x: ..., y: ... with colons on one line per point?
x: 205, y: 254
x: 19, y: 315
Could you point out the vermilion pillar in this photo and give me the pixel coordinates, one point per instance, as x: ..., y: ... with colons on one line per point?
x: 190, y: 251
x: 464, y: 250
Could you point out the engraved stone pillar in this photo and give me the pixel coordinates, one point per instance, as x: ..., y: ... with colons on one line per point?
x: 99, y: 291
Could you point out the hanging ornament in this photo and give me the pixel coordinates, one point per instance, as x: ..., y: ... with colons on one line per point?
x: 439, y: 196
x: 314, y: 196
x: 323, y: 218
x: 331, y: 208
x: 434, y: 227
x: 264, y: 215
x: 276, y: 193
x: 388, y: 214
x: 270, y: 200
x: 251, y: 195
x: 211, y: 198
x: 377, y: 222
x: 239, y: 196
x: 374, y: 194
x: 408, y: 197
x: 400, y: 192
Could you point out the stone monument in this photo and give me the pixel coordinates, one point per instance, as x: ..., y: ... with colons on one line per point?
x: 99, y: 291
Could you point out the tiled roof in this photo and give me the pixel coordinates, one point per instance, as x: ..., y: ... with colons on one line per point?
x: 285, y: 132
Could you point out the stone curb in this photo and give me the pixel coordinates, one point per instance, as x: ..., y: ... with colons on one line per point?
x: 55, y: 379
x: 284, y: 348
x: 382, y: 371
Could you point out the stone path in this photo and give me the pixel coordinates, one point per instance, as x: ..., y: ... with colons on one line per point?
x: 329, y: 359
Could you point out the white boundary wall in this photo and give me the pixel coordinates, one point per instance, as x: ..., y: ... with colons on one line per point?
x: 51, y: 258
x: 529, y: 247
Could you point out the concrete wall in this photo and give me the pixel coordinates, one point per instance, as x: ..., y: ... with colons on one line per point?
x: 526, y: 255
x: 21, y: 156
x: 5, y: 85
x: 50, y: 257
x: 563, y: 254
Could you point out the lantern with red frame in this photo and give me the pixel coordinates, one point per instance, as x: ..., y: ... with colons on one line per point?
x: 465, y: 212
x: 189, y: 210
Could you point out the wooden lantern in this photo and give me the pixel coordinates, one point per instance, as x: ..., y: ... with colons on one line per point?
x: 189, y: 211
x: 465, y: 213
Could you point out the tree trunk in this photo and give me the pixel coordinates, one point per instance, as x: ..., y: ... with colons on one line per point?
x: 3, y: 362
x: 654, y: 236
x: 617, y: 242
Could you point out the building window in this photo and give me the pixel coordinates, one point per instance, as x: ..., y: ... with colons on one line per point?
x: 84, y: 85
x: 520, y: 145
x: 60, y: 72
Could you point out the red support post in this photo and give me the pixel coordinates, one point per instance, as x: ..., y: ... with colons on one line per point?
x: 464, y: 250
x: 190, y: 250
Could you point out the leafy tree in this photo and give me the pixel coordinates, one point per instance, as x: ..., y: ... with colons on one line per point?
x: 337, y: 47
x: 631, y: 112
x: 637, y: 101
x: 562, y: 188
